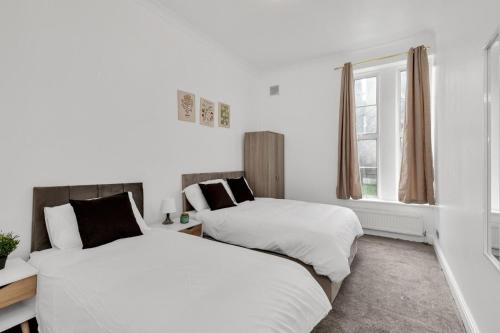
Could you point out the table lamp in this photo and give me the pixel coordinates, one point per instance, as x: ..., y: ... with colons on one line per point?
x: 167, y: 207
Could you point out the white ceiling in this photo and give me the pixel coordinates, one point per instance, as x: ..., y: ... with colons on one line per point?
x: 269, y: 33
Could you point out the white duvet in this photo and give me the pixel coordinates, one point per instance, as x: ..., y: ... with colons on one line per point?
x: 172, y: 282
x: 317, y: 234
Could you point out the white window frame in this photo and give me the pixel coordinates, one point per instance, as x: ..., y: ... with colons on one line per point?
x: 388, y: 150
x: 399, y: 152
x: 371, y: 136
x: 388, y: 128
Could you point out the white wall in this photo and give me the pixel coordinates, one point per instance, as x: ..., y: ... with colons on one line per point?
x: 306, y: 111
x: 88, y: 95
x: 461, y: 156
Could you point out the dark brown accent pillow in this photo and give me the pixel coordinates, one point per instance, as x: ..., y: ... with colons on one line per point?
x: 240, y: 189
x: 103, y: 220
x: 216, y: 196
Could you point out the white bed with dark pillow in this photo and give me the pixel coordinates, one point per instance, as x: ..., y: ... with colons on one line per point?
x: 321, y: 237
x: 151, y: 280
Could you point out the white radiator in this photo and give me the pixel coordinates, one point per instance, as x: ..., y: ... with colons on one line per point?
x: 391, y: 221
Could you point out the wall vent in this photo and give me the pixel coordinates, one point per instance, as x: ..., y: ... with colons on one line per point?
x: 274, y: 90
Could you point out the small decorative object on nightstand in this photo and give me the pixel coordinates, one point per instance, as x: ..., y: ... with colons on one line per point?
x: 184, y: 218
x: 17, y: 291
x: 168, y: 207
x: 8, y: 243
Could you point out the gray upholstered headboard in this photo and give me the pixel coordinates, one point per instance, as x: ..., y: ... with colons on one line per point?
x: 60, y: 195
x: 194, y: 178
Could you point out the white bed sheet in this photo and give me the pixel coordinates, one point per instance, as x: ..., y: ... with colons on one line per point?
x: 317, y: 234
x: 171, y: 282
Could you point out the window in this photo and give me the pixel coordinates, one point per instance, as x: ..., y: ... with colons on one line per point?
x: 380, y: 97
x: 367, y: 130
x: 402, y: 105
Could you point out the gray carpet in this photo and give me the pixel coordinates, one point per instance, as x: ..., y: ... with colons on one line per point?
x: 395, y: 286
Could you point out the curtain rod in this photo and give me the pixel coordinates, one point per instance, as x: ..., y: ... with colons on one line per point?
x: 379, y: 58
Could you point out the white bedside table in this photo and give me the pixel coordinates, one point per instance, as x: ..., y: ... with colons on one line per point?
x: 17, y: 291
x: 193, y: 227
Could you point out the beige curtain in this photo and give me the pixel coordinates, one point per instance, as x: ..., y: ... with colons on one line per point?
x: 348, y: 182
x: 416, y: 182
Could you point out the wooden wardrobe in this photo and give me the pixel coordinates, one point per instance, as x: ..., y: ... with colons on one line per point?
x: 265, y: 163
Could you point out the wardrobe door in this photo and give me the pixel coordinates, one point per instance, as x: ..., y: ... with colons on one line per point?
x: 272, y: 178
x: 279, y: 162
x: 256, y: 163
x: 264, y: 163
x: 276, y: 166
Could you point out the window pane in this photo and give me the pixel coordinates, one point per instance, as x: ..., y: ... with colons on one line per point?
x: 402, y: 102
x: 403, y: 84
x: 366, y: 119
x: 366, y: 123
x: 367, y: 151
x: 366, y: 91
x: 369, y: 182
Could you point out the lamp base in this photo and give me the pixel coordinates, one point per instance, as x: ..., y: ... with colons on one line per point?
x: 168, y: 220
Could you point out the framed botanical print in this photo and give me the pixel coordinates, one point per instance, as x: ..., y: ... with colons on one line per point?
x: 207, y: 112
x: 186, y: 108
x: 224, y: 115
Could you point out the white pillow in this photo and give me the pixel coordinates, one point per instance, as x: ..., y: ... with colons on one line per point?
x: 195, y: 196
x: 138, y: 217
x: 251, y: 191
x: 62, y: 225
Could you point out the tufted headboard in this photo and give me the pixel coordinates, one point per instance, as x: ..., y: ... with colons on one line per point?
x: 60, y: 195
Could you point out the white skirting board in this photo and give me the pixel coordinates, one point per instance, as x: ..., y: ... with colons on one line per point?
x: 463, y: 308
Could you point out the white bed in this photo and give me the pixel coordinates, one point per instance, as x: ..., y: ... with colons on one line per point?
x: 171, y: 282
x: 316, y: 234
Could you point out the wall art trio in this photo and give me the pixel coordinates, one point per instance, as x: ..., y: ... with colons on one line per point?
x: 186, y: 110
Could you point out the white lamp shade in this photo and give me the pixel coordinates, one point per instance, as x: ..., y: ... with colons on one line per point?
x: 168, y: 206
